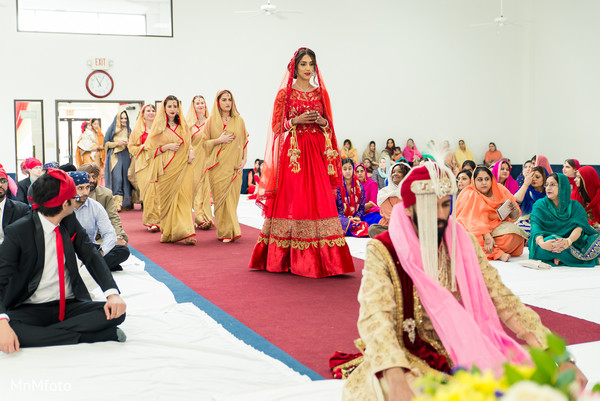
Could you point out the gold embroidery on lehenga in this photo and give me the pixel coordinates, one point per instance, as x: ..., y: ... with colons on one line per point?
x: 302, y: 234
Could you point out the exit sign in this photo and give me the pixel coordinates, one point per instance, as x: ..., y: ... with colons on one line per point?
x: 100, y: 63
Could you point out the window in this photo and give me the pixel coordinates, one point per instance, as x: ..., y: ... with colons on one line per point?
x: 99, y: 17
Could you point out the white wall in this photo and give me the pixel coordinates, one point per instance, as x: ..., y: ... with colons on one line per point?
x: 394, y: 68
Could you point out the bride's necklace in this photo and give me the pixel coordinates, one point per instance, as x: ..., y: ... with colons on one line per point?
x: 226, y: 119
x: 307, y: 89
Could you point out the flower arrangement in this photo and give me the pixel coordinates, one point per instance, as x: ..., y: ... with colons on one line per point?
x: 543, y: 381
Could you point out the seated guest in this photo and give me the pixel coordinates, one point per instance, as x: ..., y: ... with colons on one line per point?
x: 105, y: 197
x: 380, y: 175
x: 468, y: 165
x: 570, y: 167
x: 33, y: 167
x: 370, y: 152
x: 10, y: 211
x: 560, y: 231
x: 588, y: 193
x: 527, y: 166
x: 254, y: 177
x: 492, y: 155
x: 501, y: 171
x: 94, y: 219
x: 372, y: 215
x: 542, y: 161
x: 397, y: 154
x: 388, y: 197
x: 476, y: 210
x: 427, y: 306
x: 411, y: 152
x: 369, y: 167
x: 349, y: 152
x: 463, y: 153
x: 463, y: 180
x: 388, y: 151
x: 43, y: 299
x: 350, y: 203
x: 530, y: 192
x: 12, y: 185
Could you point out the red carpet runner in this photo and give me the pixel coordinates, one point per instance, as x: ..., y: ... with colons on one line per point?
x: 307, y: 318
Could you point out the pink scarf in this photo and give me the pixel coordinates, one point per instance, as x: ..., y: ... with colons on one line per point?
x: 471, y: 332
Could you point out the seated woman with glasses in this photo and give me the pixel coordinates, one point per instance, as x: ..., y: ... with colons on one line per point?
x: 560, y: 232
x: 488, y: 210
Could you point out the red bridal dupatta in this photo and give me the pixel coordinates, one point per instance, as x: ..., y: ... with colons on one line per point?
x: 269, y: 181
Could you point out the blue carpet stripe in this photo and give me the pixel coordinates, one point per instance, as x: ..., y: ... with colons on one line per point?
x: 183, y: 293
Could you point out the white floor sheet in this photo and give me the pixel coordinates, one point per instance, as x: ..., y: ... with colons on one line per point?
x: 177, y: 352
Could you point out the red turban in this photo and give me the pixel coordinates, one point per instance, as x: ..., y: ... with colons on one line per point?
x: 67, y: 189
x: 416, y: 174
x: 3, y: 173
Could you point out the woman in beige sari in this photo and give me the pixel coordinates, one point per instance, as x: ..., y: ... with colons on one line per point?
x: 172, y: 171
x: 225, y: 139
x: 196, y: 118
x: 141, y: 159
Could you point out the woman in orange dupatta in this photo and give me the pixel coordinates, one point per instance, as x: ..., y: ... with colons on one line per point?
x: 196, y: 118
x: 141, y: 166
x: 172, y: 170
x: 476, y: 210
x: 225, y: 139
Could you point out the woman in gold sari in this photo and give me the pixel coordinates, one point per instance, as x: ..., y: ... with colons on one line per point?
x: 141, y: 160
x: 172, y: 172
x: 225, y: 139
x: 196, y: 119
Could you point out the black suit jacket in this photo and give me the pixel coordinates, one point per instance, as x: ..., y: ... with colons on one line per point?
x: 22, y: 188
x: 22, y: 260
x: 12, y: 212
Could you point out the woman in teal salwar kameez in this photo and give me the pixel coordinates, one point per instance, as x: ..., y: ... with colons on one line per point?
x: 560, y: 231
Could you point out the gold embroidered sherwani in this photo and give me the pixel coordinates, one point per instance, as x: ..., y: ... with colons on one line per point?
x: 380, y: 320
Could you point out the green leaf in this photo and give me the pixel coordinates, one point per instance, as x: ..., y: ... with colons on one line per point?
x: 596, y: 388
x: 544, y: 362
x: 512, y: 374
x: 565, y: 378
x: 541, y: 377
x: 556, y: 344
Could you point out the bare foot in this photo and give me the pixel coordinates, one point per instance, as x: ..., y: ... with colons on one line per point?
x: 190, y: 241
x: 154, y: 228
x: 504, y: 257
x: 557, y: 262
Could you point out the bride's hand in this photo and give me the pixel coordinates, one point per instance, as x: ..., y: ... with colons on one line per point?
x: 308, y: 117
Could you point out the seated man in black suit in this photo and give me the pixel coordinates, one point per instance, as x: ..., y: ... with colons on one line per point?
x: 34, y: 168
x: 43, y: 299
x: 10, y: 211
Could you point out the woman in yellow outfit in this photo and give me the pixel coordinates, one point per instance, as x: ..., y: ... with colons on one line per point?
x: 141, y: 160
x: 196, y: 119
x: 225, y: 139
x: 172, y: 171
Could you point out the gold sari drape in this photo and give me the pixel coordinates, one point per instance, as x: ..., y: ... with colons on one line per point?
x: 141, y: 159
x: 221, y: 167
x: 203, y: 216
x: 173, y: 177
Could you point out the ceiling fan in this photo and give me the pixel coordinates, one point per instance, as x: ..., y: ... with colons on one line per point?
x: 499, y: 21
x: 269, y: 9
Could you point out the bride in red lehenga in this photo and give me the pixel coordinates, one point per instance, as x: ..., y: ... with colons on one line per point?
x: 302, y: 169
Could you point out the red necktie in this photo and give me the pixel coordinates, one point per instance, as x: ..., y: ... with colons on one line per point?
x: 61, y: 273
